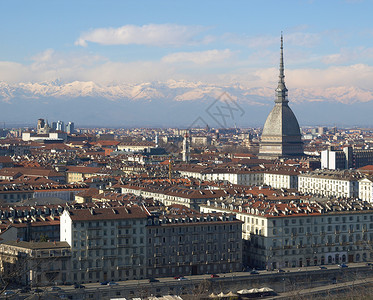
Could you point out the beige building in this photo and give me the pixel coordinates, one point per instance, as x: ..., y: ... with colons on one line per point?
x: 35, y: 263
x: 79, y: 173
x: 302, y: 234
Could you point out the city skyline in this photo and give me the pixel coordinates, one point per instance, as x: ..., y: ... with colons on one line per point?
x: 106, y: 57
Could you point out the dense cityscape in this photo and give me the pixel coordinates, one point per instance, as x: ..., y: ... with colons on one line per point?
x: 186, y: 150
x: 192, y: 213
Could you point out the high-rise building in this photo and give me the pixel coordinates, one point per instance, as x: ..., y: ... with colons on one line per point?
x: 70, y: 127
x: 60, y: 126
x: 346, y: 158
x: 281, y: 135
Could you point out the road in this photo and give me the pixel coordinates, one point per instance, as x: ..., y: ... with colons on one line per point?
x: 133, y: 286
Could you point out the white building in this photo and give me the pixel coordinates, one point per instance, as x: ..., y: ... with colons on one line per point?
x: 330, y: 183
x: 366, y: 189
x: 281, y: 179
x: 235, y: 176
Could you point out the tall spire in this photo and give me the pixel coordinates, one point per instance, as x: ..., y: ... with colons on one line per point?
x: 281, y: 91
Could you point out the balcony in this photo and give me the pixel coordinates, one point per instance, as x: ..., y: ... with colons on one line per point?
x: 93, y: 247
x: 94, y: 269
x: 124, y: 235
x: 52, y: 271
x: 124, y: 245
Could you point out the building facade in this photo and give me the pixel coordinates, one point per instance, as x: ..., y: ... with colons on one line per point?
x: 303, y: 234
x: 327, y: 183
x: 366, y: 189
x: 106, y: 243
x: 346, y: 158
x: 193, y: 244
x: 35, y: 263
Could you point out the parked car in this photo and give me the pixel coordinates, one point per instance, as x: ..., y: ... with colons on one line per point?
x: 104, y: 282
x: 55, y: 288
x: 37, y: 290
x: 177, y: 277
x: 280, y: 271
x: 153, y: 280
x: 214, y: 275
x: 9, y: 293
x: 112, y: 283
x: 79, y: 286
x: 342, y: 266
x: 322, y: 268
x: 254, y: 272
x: 182, y: 278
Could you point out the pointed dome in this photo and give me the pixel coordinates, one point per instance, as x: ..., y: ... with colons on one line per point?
x: 281, y: 121
x: 281, y: 136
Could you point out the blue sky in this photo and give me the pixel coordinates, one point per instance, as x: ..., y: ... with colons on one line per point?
x: 327, y: 43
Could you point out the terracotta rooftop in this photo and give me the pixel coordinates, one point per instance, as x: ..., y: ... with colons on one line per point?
x: 117, y: 213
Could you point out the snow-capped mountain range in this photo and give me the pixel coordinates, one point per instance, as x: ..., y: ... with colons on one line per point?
x: 174, y: 90
x: 172, y: 102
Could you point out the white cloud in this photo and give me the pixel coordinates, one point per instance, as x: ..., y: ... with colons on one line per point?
x: 349, y: 55
x: 198, y: 57
x: 358, y: 75
x: 151, y: 34
x: 191, y: 66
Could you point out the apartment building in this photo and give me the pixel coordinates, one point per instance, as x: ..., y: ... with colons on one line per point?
x: 366, y: 189
x: 81, y: 173
x: 124, y: 243
x: 239, y: 176
x: 193, y: 243
x: 172, y: 194
x: 106, y: 243
x: 331, y: 183
x: 12, y: 193
x: 346, y: 158
x: 281, y: 179
x: 35, y: 263
x: 302, y: 234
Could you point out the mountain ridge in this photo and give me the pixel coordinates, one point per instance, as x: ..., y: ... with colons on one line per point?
x: 180, y: 90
